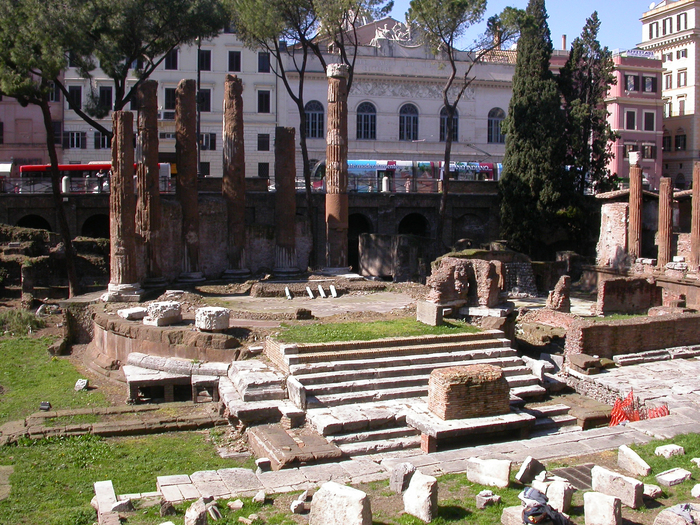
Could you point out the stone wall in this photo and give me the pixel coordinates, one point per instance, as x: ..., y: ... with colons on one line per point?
x: 401, y: 257
x: 625, y: 336
x: 627, y: 295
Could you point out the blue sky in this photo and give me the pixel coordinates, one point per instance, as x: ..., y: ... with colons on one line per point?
x: 620, y: 26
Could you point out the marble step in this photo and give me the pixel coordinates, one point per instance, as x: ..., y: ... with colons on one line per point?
x: 364, y: 448
x: 373, y: 435
x: 554, y: 431
x: 544, y: 411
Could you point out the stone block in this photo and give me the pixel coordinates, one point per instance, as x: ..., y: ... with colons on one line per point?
x: 695, y: 492
x: 672, y: 477
x: 628, y: 490
x: 528, y: 470
x: 601, y: 509
x: 133, y: 314
x: 559, y: 494
x: 163, y: 313
x: 652, y: 491
x: 669, y: 517
x: 421, y: 497
x: 489, y: 472
x: 401, y: 477
x: 461, y: 392
x: 668, y: 451
x: 296, y: 392
x: 196, y: 513
x: 336, y: 504
x: 630, y: 461
x: 212, y: 318
x: 486, y: 498
x: 429, y: 313
x: 512, y: 516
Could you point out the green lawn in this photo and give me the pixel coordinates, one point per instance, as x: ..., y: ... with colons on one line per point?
x: 366, y: 331
x: 29, y: 375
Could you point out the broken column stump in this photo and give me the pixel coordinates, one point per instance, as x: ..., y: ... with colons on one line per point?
x: 285, y: 203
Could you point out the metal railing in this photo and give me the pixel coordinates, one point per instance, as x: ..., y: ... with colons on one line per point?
x: 357, y: 184
x: 77, y: 185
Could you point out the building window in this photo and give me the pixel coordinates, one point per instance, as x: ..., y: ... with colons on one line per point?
x: 74, y: 140
x: 105, y: 98
x: 667, y: 57
x: 667, y: 25
x: 204, y: 169
x: 667, y: 107
x: 263, y: 101
x: 207, y: 141
x: 649, y: 121
x: 170, y: 61
x: 443, y: 126
x: 649, y: 84
x: 102, y: 141
x: 653, y: 30
x: 57, y: 131
x: 683, y: 78
x: 666, y: 143
x: 679, y: 143
x: 630, y: 120
x: 204, y: 100
x: 204, y: 62
x: 263, y: 142
x: 668, y: 81
x: 2, y: 133
x: 631, y: 82
x: 682, y: 22
x: 54, y: 92
x: 234, y: 61
x: 75, y: 96
x: 264, y: 170
x: 648, y: 151
x: 408, y: 122
x: 681, y: 106
x: 495, y: 133
x: 263, y: 62
x: 682, y: 53
x: 314, y: 119
x: 170, y: 98
x: 629, y: 148
x: 366, y: 121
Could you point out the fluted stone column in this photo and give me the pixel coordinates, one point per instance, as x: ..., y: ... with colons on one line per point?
x: 634, y: 236
x: 148, y: 207
x: 123, y: 285
x: 337, y: 170
x: 695, y: 220
x: 186, y: 182
x: 285, y: 203
x: 665, y: 230
x: 233, y: 183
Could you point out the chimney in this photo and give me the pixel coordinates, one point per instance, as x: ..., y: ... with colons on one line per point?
x: 563, y: 42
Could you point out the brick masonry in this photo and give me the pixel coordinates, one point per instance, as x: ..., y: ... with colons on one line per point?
x: 627, y: 295
x: 462, y: 392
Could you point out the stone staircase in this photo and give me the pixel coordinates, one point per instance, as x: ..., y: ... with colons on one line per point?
x: 382, y: 379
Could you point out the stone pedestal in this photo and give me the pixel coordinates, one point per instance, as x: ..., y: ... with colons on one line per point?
x: 285, y: 203
x: 123, y: 285
x: 665, y: 231
x: 163, y: 313
x: 212, y: 318
x: 337, y: 168
x: 634, y: 237
x: 233, y: 182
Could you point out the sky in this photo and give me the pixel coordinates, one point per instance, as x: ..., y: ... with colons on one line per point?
x: 620, y: 27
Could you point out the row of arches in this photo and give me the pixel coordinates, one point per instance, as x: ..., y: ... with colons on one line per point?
x: 95, y: 226
x: 409, y: 119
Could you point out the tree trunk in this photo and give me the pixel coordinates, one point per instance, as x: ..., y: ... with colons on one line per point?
x: 442, y: 211
x: 73, y: 284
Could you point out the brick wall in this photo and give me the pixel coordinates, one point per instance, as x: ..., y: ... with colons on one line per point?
x: 627, y: 295
x: 625, y: 336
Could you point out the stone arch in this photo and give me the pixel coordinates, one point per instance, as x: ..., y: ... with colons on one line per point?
x: 358, y: 224
x: 414, y: 224
x: 96, y: 226
x: 473, y: 227
x: 34, y: 221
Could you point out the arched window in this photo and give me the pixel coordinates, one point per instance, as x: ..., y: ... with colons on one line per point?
x: 495, y: 135
x: 408, y: 122
x: 443, y: 125
x: 314, y: 119
x: 366, y: 121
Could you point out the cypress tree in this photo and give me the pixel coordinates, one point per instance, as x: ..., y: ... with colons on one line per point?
x: 535, y: 188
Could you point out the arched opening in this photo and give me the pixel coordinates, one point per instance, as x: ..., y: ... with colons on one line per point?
x: 357, y: 225
x: 96, y: 227
x: 471, y: 227
x: 34, y: 221
x: 414, y: 224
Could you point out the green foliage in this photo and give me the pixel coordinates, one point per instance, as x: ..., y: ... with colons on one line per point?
x: 584, y: 83
x: 19, y: 322
x: 324, y: 333
x: 29, y: 375
x: 534, y: 186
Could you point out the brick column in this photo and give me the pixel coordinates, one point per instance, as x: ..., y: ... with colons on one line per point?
x: 665, y: 230
x: 695, y: 220
x: 123, y: 285
x: 285, y: 203
x: 634, y: 236
x: 148, y: 207
x: 186, y: 181
x: 233, y: 183
x: 337, y: 170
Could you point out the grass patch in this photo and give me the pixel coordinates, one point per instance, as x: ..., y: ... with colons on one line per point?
x: 617, y: 317
x: 54, y: 477
x: 19, y: 322
x: 29, y: 375
x: 77, y: 419
x: 354, y: 331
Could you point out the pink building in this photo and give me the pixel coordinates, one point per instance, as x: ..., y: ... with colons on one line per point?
x: 636, y: 114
